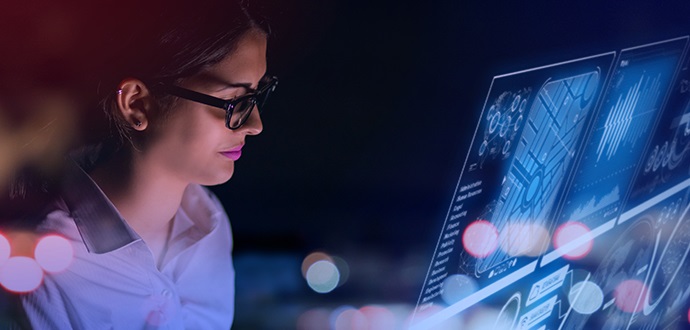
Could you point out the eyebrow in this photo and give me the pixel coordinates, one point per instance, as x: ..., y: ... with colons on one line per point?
x: 227, y: 85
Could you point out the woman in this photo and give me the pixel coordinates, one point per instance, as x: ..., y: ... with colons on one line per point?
x: 152, y: 246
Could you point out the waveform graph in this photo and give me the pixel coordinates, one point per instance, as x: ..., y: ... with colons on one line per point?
x: 629, y: 117
x: 595, y: 204
x: 529, y: 135
x: 544, y: 155
x: 622, y: 132
x: 571, y: 152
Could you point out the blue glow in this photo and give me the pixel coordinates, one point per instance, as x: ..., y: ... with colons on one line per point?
x: 602, y: 142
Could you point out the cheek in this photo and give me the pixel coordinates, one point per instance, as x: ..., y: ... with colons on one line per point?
x: 180, y: 128
x: 189, y: 145
x: 190, y: 134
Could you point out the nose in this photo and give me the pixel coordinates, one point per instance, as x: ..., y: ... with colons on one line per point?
x: 253, y: 125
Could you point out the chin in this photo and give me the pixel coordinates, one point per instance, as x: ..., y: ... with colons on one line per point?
x: 222, y: 180
x: 216, y: 178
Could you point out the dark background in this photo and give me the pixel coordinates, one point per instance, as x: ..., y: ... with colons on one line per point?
x: 367, y: 133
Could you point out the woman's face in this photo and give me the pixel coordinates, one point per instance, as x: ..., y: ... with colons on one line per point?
x: 192, y: 144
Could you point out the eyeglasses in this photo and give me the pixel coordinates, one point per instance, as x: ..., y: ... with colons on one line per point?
x: 237, y: 110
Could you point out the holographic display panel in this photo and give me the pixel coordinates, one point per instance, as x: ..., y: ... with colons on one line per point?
x: 629, y: 112
x: 667, y: 161
x: 570, y: 211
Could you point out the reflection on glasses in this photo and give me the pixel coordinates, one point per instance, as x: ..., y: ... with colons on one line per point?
x: 237, y: 110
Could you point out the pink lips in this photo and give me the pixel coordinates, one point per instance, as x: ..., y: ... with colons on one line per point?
x: 234, y: 153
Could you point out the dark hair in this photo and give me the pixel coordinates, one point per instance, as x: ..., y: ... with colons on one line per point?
x: 154, y: 41
x: 168, y: 43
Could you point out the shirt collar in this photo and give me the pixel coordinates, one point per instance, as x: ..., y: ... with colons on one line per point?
x: 199, y: 204
x: 104, y: 230
x: 100, y: 224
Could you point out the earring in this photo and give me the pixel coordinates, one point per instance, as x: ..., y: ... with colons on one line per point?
x: 119, y: 92
x: 138, y: 123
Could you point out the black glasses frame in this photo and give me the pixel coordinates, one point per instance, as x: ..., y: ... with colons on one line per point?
x: 266, y: 86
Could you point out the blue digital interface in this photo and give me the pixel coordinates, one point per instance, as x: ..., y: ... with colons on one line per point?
x: 623, y: 128
x: 667, y: 161
x: 570, y: 211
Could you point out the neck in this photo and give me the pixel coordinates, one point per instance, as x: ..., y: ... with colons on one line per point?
x: 144, y: 195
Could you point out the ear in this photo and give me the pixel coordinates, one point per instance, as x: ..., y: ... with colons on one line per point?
x: 135, y: 103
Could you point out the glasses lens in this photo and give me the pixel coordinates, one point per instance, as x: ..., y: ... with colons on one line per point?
x: 244, y: 107
x: 241, y: 112
x: 266, y: 90
x: 261, y: 99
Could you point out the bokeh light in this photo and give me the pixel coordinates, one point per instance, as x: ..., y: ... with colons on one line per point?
x: 458, y: 286
x: 343, y: 269
x: 5, y: 249
x: 21, y: 274
x: 524, y: 239
x: 379, y: 317
x: 323, y: 276
x: 311, y: 259
x: 336, y: 313
x: 630, y: 295
x: 568, y: 233
x: 480, y: 238
x: 351, y: 319
x: 54, y: 253
x: 22, y: 242
x: 586, y: 297
x: 313, y: 319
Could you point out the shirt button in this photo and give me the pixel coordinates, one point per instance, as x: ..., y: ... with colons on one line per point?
x: 166, y: 293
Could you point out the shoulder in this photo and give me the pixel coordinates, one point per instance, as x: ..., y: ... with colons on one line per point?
x: 50, y: 305
x: 59, y: 220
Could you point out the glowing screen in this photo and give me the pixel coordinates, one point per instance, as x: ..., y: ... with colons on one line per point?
x: 570, y: 211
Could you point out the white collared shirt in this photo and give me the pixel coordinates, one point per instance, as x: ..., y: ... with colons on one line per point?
x: 113, y: 282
